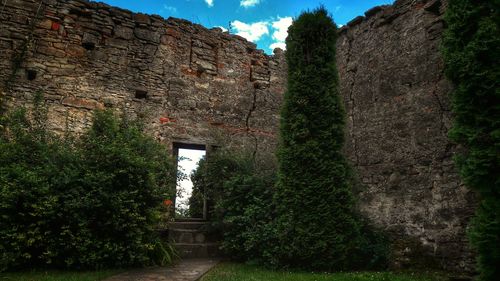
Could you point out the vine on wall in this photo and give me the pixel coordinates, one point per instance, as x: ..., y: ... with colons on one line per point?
x: 20, y: 54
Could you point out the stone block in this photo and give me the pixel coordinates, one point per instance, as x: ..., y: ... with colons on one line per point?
x: 75, y: 50
x: 205, y: 66
x: 149, y: 49
x: 117, y: 43
x: 433, y: 6
x: 45, y: 24
x: 173, y: 32
x: 147, y: 35
x: 90, y: 39
x: 50, y: 51
x: 142, y: 18
x: 357, y: 20
x: 5, y: 33
x: 123, y: 32
x: 373, y: 11
x: 82, y: 103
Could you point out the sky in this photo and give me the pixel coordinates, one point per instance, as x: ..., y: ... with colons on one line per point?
x: 264, y: 22
x: 188, y: 162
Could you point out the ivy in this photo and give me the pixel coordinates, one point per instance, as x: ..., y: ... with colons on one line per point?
x: 20, y: 55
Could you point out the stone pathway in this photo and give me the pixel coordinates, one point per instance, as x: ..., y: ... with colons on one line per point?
x: 185, y: 270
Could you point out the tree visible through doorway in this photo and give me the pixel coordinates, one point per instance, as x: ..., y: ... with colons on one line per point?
x: 187, y: 162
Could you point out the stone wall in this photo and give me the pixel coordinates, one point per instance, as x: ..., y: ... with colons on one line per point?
x: 188, y: 83
x: 396, y: 96
x: 200, y: 86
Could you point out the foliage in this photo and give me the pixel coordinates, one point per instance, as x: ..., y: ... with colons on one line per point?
x: 485, y: 237
x: 240, y: 193
x: 91, y: 202
x: 317, y: 226
x: 471, y: 49
x: 196, y: 199
x: 58, y: 275
x: 309, y: 221
x: 238, y: 272
x: 163, y: 253
x: 166, y: 214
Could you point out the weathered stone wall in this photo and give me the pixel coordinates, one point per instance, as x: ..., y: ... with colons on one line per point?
x: 396, y: 96
x: 188, y: 83
x: 195, y: 85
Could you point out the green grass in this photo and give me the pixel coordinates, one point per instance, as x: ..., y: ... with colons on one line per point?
x: 57, y: 275
x: 239, y: 272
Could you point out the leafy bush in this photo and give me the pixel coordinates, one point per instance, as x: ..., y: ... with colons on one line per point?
x: 240, y: 192
x: 471, y: 49
x: 90, y: 202
x: 243, y: 210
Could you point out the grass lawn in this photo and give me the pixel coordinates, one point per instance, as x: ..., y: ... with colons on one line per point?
x: 239, y: 272
x: 58, y: 275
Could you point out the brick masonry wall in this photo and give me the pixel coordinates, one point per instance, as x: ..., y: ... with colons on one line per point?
x: 195, y: 85
x: 188, y: 83
x: 397, y: 99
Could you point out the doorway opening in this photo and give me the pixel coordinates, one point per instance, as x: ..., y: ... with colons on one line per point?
x: 188, y: 157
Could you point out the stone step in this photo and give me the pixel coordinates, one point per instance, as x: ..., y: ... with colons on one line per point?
x: 190, y: 236
x: 197, y: 225
x: 205, y: 250
x: 191, y: 220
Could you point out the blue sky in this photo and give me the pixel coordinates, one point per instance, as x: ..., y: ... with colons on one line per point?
x: 263, y: 22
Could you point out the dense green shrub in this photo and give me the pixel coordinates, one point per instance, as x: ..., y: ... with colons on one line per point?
x: 484, y: 236
x: 471, y: 49
x: 240, y: 191
x: 90, y: 202
x: 317, y: 223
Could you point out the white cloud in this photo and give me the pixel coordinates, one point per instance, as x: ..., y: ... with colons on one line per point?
x: 222, y: 27
x: 281, y: 28
x: 170, y: 9
x: 280, y: 32
x: 249, y: 3
x: 280, y: 45
x: 210, y: 3
x: 253, y: 31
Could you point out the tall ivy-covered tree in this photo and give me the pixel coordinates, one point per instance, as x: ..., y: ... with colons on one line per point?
x: 317, y: 227
x: 471, y: 48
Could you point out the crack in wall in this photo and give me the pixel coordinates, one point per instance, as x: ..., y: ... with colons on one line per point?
x: 442, y: 108
x: 247, y: 122
x: 257, y: 84
x: 351, y: 98
x: 216, y: 53
x: 434, y: 91
x: 191, y: 54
